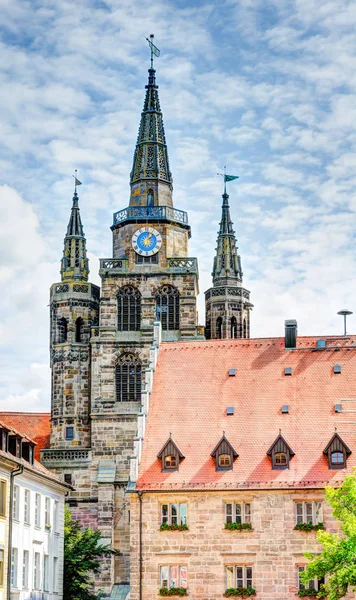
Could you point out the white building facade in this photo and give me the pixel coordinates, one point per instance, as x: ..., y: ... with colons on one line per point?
x: 37, y: 538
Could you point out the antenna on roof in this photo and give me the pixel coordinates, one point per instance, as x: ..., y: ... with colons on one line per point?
x: 344, y: 312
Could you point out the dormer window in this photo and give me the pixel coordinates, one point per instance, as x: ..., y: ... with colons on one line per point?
x: 170, y: 461
x: 280, y: 458
x: 170, y: 456
x: 224, y: 455
x: 225, y: 461
x: 281, y: 453
x: 337, y: 452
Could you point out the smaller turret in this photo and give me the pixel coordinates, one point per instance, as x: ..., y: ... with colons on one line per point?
x: 227, y: 303
x: 75, y: 265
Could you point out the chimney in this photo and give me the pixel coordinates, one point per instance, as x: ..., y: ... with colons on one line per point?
x: 291, y: 332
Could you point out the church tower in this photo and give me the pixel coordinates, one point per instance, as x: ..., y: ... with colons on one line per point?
x: 74, y: 305
x: 227, y: 303
x: 101, y: 344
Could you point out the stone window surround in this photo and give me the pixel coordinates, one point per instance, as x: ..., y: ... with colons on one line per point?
x: 169, y: 567
x: 300, y: 586
x: 169, y: 515
x: 245, y: 515
x: 304, y: 513
x: 247, y: 576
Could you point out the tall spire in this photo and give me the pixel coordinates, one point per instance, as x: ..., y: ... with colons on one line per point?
x: 227, y: 262
x: 75, y: 264
x: 150, y: 179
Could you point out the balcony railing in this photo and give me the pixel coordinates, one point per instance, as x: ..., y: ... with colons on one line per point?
x: 183, y: 265
x: 113, y: 265
x: 150, y: 213
x: 52, y: 457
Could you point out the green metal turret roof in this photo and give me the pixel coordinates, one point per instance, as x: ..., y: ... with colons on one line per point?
x: 227, y: 263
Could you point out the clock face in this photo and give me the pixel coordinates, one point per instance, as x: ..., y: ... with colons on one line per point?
x: 146, y: 241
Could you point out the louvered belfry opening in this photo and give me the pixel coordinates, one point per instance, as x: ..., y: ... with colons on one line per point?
x: 129, y: 309
x: 62, y: 330
x: 233, y: 333
x: 79, y: 330
x: 128, y: 378
x: 167, y: 307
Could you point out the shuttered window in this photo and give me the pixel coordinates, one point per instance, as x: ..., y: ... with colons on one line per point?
x: 129, y: 309
x: 167, y: 307
x: 128, y: 378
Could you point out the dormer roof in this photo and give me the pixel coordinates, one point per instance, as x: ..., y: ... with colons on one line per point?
x: 225, y: 447
x: 170, y: 447
x: 337, y: 443
x: 280, y: 445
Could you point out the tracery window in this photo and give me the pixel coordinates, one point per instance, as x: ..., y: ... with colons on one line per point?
x: 128, y: 309
x: 233, y: 332
x: 79, y: 329
x: 128, y: 378
x: 62, y: 330
x: 167, y: 307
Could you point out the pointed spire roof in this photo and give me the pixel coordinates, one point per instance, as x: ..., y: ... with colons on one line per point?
x: 150, y: 169
x: 75, y: 264
x: 227, y: 262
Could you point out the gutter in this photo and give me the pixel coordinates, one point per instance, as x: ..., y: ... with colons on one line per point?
x: 140, y: 494
x: 13, y: 474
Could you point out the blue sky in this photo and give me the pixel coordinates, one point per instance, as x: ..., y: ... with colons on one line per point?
x: 267, y: 88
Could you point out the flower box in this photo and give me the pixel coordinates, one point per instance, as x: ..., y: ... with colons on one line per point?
x: 309, y: 527
x: 310, y: 593
x: 48, y: 527
x: 173, y: 592
x: 243, y: 592
x: 175, y: 527
x: 238, y: 527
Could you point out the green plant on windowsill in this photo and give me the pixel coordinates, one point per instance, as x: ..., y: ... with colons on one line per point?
x: 173, y: 591
x: 48, y: 527
x: 243, y: 592
x: 309, y: 526
x: 238, y: 526
x: 311, y: 593
x: 174, y: 527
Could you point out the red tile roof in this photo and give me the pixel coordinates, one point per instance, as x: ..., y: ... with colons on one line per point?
x: 192, y: 390
x: 35, y: 425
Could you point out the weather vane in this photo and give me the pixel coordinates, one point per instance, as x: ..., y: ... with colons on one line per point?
x: 76, y: 181
x: 227, y: 178
x: 154, y: 50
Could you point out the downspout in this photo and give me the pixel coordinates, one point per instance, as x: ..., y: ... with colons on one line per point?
x: 13, y: 474
x: 140, y: 494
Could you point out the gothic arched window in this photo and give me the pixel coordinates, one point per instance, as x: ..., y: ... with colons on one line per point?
x: 62, y: 330
x: 245, y: 329
x: 219, y: 327
x: 128, y: 378
x: 129, y: 309
x: 79, y: 329
x: 233, y: 328
x: 167, y: 307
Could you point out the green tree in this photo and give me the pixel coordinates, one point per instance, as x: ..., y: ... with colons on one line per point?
x: 82, y: 552
x: 338, y: 557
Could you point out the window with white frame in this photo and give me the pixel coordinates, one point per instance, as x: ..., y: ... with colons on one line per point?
x: 238, y: 512
x: 238, y: 576
x: 55, y: 574
x: 46, y: 573
x: 25, y: 566
x: 174, y: 514
x: 14, y: 564
x: 37, y: 571
x: 16, y: 503
x: 2, y: 556
x: 27, y: 507
x: 2, y: 498
x: 47, y: 513
x: 173, y: 576
x: 308, y: 512
x: 313, y: 584
x: 38, y: 510
x: 56, y: 515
